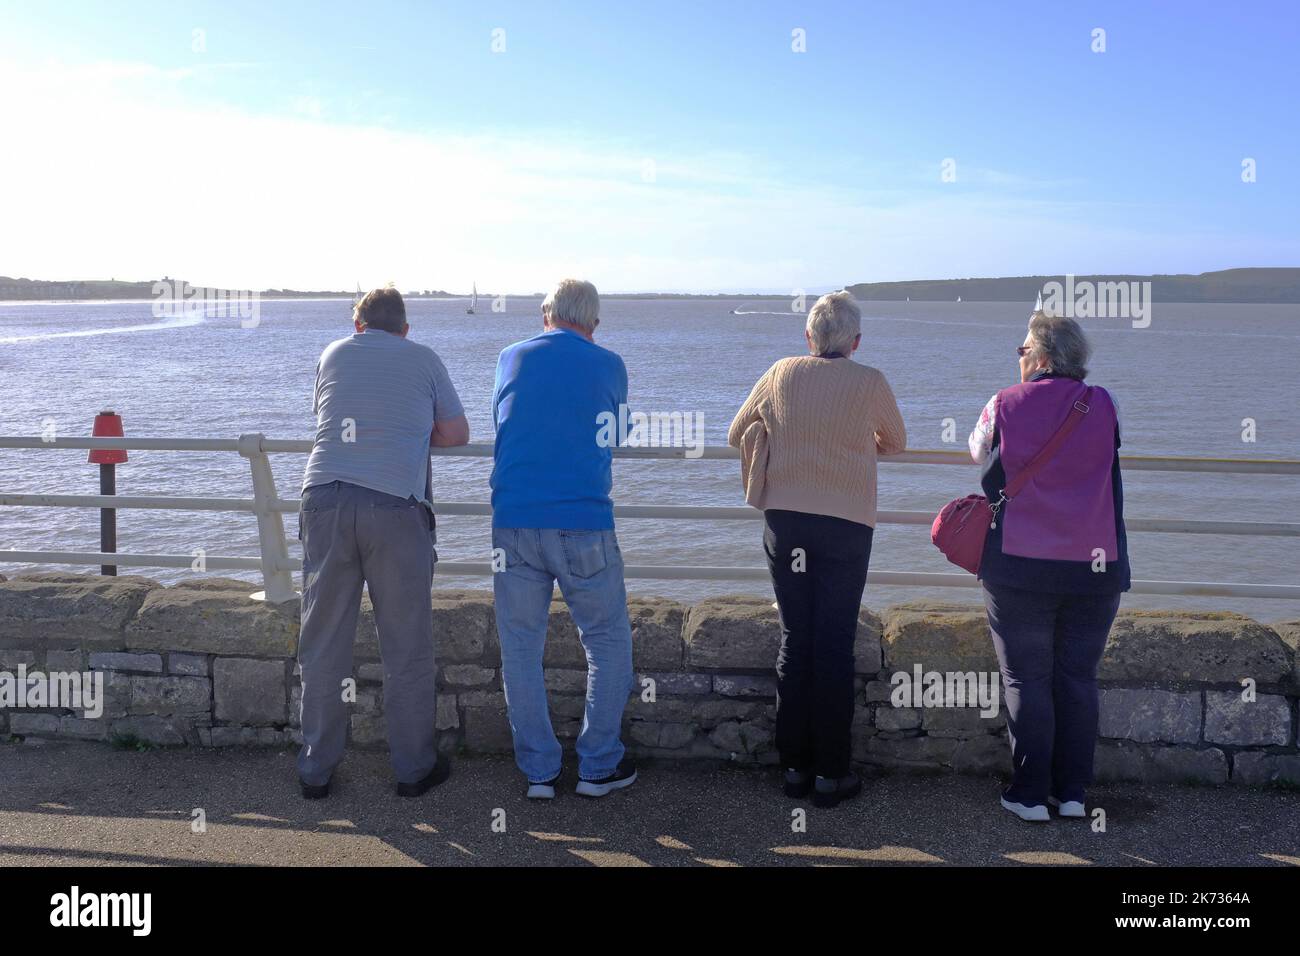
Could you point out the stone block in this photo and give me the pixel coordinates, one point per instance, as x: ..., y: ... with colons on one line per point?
x: 12, y: 658
x: 732, y: 632
x: 744, y: 685
x: 986, y: 753
x: 960, y: 721
x: 1266, y: 769
x: 744, y: 633
x: 171, y: 696
x: 83, y: 728
x: 468, y: 675
x: 192, y: 665
x: 1194, y: 647
x: 464, y: 628
x: 938, y: 637
x: 897, y: 718
x: 368, y: 729
x: 370, y: 673
x: 65, y: 611
x: 249, y: 692
x: 568, y: 705
x: 1154, y: 763
x: 66, y: 662
x: 737, y: 737
x: 134, y: 663
x: 447, y: 716
x: 1230, y: 720
x: 657, y: 642
x: 487, y: 730
x: 23, y: 723
x: 911, y: 753
x: 159, y: 731
x: 1289, y: 632
x: 1149, y: 715
x: 213, y: 622
x: 681, y: 685
x: 566, y: 681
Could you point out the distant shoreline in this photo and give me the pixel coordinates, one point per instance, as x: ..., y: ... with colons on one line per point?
x: 1273, y: 286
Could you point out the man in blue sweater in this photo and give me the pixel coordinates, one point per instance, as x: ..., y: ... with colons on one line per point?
x: 553, y: 522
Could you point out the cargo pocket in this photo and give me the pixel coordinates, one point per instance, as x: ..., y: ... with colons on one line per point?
x: 314, y: 500
x: 584, y: 552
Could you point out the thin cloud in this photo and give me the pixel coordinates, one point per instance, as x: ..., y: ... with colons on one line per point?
x: 118, y: 171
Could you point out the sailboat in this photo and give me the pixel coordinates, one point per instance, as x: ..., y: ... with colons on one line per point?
x: 473, y: 300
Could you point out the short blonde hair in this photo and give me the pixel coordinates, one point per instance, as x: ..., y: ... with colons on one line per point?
x: 574, y: 302
x: 834, y: 322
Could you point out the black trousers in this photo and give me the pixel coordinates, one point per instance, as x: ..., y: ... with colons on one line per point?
x: 819, y: 569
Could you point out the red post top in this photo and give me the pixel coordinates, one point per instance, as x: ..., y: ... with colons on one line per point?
x: 107, y: 425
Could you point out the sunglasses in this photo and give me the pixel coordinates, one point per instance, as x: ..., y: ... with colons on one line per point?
x: 1023, y: 350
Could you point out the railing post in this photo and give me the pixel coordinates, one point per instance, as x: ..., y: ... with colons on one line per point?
x: 278, y: 581
x: 108, y: 424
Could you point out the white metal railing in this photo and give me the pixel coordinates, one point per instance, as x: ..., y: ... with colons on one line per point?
x: 277, y: 566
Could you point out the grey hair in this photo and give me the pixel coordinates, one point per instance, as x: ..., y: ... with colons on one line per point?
x: 574, y: 302
x: 1060, y: 342
x: 834, y: 322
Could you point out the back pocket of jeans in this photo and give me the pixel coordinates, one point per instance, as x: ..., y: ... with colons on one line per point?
x: 584, y: 552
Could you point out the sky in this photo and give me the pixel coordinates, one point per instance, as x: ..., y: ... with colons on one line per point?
x: 664, y: 146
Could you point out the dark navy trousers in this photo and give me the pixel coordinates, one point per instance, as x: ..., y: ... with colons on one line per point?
x: 819, y: 569
x: 1048, y: 647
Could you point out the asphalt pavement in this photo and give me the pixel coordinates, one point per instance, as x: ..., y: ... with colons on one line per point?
x: 87, y: 804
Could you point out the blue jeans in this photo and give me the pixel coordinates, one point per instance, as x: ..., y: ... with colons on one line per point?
x: 588, y: 567
x: 1048, y: 647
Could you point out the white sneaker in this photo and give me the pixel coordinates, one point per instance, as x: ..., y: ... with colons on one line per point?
x: 1070, y: 808
x: 543, y: 791
x: 1034, y: 814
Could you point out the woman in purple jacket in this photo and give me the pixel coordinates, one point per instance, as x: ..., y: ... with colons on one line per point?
x: 1054, y: 565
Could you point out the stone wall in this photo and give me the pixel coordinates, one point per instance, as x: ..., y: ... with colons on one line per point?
x: 201, y: 664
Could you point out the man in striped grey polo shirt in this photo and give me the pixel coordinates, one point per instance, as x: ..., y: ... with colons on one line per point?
x: 381, y: 401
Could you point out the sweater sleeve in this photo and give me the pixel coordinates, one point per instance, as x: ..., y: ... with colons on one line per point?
x: 980, y: 441
x: 749, y: 412
x: 891, y: 433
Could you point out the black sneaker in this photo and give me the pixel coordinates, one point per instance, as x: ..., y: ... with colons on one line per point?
x: 829, y: 793
x: 314, y: 791
x: 440, y: 772
x: 798, y: 783
x: 544, y: 790
x: 624, y: 776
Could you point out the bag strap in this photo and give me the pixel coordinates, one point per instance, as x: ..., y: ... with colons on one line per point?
x: 1081, y: 408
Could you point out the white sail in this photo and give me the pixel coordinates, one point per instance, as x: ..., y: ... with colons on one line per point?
x: 473, y: 296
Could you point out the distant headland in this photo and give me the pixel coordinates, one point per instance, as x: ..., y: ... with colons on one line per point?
x: 1264, y: 285
x: 1277, y: 286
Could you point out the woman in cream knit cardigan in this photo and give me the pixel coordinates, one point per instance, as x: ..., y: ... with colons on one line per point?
x: 809, y: 434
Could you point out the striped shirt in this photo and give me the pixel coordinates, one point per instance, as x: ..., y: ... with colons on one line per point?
x: 377, y: 397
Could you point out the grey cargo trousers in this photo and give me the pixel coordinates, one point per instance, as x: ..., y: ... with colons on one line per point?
x: 352, y: 535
